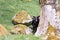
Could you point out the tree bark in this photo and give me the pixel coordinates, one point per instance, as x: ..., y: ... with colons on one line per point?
x: 49, y: 14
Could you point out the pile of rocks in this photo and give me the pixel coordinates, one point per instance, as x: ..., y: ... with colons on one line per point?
x: 21, y: 21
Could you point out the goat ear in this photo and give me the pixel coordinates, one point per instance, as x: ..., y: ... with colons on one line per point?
x: 38, y: 16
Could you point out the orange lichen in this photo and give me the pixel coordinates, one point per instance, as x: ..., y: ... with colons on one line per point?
x: 51, y: 33
x: 3, y: 31
x: 0, y: 33
x: 50, y: 29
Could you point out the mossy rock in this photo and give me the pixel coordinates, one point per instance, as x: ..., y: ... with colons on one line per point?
x: 19, y: 29
x: 21, y: 16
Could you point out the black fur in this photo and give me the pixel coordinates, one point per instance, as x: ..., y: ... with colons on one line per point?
x: 35, y: 23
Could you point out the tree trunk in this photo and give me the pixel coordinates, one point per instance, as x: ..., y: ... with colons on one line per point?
x: 49, y: 14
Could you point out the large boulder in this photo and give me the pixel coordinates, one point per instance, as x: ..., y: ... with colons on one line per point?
x: 21, y: 17
x: 21, y: 29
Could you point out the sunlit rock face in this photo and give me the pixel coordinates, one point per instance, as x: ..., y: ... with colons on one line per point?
x: 21, y: 29
x: 49, y: 15
x: 21, y: 17
x: 51, y: 33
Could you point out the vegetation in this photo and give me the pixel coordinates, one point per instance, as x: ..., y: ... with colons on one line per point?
x: 19, y: 37
x: 8, y: 8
